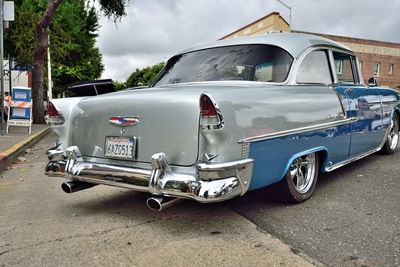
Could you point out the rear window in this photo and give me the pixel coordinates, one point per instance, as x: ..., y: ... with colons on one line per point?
x: 264, y: 63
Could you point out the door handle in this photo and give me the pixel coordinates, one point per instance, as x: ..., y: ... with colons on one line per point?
x: 349, y: 90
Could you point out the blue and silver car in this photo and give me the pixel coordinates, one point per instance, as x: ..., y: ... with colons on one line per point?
x: 225, y: 118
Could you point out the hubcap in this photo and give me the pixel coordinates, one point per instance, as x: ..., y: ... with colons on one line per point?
x: 302, y: 172
x: 393, y: 136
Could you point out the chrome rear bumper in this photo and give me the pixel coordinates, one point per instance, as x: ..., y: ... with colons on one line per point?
x: 210, y: 182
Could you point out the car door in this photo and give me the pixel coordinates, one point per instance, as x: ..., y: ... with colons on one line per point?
x: 315, y: 72
x: 361, y: 102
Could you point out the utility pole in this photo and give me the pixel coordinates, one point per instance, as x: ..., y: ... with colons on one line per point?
x: 50, y: 90
x: 290, y: 14
x: 6, y: 14
x: 1, y: 66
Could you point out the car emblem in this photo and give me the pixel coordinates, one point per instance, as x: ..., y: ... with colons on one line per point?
x: 124, y: 121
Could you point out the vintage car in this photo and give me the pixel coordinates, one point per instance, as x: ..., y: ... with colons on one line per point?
x: 225, y: 118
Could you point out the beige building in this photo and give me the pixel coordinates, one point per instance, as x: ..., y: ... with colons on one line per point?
x: 271, y: 23
x: 378, y: 59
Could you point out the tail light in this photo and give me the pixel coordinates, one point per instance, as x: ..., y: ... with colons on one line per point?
x: 210, y: 114
x: 53, y: 116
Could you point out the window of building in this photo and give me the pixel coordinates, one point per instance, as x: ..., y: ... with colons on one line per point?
x: 390, y: 69
x: 339, y: 67
x: 345, y: 65
x: 247, y: 31
x: 377, y: 67
x: 315, y: 69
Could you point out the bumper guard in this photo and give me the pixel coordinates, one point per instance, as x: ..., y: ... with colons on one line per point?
x: 210, y: 183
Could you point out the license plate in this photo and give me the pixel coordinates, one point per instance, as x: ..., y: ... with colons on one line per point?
x: 120, y: 147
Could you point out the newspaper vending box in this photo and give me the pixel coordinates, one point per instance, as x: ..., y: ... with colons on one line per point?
x: 20, y: 113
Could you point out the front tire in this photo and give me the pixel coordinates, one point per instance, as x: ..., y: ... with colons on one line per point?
x: 301, y: 178
x: 393, y: 137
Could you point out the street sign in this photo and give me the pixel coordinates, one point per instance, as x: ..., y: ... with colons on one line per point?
x: 8, y: 10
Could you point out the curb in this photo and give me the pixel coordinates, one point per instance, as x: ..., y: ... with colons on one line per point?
x: 8, y: 156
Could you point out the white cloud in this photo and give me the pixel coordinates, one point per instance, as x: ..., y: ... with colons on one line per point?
x: 155, y: 30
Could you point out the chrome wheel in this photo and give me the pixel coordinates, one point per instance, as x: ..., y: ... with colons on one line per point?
x: 302, y: 172
x: 393, y: 137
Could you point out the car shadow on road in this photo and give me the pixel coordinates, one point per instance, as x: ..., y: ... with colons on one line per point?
x: 131, y: 203
x: 273, y: 196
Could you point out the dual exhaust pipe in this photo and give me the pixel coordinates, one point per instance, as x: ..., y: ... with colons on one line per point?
x: 71, y: 187
x: 161, y: 203
x: 153, y: 203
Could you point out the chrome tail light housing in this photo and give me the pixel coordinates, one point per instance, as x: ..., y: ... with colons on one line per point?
x: 210, y: 114
x: 54, y: 117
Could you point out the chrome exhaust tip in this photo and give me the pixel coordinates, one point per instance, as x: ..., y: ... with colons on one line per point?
x: 161, y: 203
x: 71, y: 187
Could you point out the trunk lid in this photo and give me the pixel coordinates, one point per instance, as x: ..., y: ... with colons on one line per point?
x: 168, y: 123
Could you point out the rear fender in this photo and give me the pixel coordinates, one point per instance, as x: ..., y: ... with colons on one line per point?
x: 64, y: 106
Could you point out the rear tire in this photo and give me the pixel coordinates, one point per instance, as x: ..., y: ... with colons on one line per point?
x: 301, y: 178
x: 393, y: 137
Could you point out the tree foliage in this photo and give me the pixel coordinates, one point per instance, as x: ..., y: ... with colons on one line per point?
x: 82, y: 60
x: 144, y: 76
x: 73, y: 35
x: 113, y: 9
x: 73, y: 29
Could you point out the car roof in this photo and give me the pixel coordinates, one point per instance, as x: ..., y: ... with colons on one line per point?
x: 293, y: 43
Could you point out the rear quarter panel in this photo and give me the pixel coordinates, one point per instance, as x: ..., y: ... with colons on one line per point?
x: 257, y: 111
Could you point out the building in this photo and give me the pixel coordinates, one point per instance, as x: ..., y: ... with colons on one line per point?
x: 271, y: 23
x: 19, y: 77
x: 378, y: 59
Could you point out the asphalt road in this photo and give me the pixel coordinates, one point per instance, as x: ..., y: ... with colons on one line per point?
x: 352, y: 220
x: 40, y: 225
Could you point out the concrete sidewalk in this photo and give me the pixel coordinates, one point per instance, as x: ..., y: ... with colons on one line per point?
x: 14, y: 143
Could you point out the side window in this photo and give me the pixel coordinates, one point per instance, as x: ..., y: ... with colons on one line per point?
x: 315, y: 69
x: 345, y: 69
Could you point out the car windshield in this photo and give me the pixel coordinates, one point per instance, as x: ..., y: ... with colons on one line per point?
x: 257, y: 62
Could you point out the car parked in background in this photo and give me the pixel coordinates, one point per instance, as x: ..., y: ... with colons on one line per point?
x: 225, y: 118
x: 91, y: 88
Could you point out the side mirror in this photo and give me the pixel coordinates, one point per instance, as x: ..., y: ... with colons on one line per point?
x: 372, y: 82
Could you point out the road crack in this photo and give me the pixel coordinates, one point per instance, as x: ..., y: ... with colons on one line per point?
x: 98, y: 233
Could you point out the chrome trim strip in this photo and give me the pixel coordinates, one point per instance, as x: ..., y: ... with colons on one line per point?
x: 374, y: 103
x: 299, y: 130
x: 230, y: 82
x: 340, y: 164
x: 245, y: 150
x: 382, y: 102
x: 223, y: 166
x: 340, y: 101
x: 390, y: 102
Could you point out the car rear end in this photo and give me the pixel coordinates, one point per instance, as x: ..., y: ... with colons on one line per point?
x: 161, y: 141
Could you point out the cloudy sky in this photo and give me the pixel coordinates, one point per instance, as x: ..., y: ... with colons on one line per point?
x: 154, y: 30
